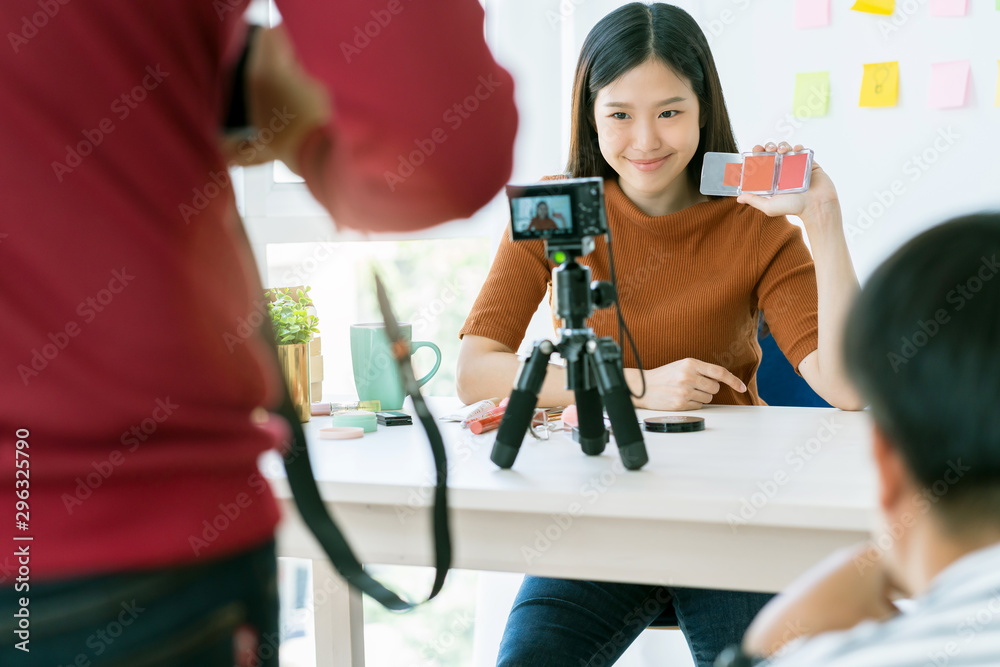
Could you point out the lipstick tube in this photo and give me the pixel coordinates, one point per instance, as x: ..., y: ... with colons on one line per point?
x: 486, y: 423
x: 495, y: 411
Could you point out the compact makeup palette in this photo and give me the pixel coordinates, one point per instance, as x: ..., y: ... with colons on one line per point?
x: 731, y: 174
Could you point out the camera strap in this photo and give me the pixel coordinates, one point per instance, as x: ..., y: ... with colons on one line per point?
x: 316, y: 516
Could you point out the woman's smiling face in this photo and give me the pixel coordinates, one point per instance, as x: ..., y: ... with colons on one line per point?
x: 648, y: 128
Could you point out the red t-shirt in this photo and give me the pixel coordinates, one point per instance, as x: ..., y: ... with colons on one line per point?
x: 125, y: 282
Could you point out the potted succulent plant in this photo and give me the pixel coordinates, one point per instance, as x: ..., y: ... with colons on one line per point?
x: 294, y: 327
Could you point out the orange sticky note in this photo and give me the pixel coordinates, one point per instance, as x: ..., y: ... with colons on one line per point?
x: 885, y: 7
x: 880, y: 85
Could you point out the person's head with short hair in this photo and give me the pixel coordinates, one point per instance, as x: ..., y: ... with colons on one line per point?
x: 922, y: 345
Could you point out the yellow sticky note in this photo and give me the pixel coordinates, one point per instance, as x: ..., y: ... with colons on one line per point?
x: 875, y: 6
x: 812, y: 94
x: 996, y: 102
x: 880, y: 85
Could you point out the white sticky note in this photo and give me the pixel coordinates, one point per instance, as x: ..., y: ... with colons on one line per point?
x: 949, y: 84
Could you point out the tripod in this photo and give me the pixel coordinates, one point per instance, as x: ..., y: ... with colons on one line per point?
x: 593, y: 372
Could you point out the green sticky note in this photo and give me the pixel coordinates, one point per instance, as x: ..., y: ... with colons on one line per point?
x: 812, y: 94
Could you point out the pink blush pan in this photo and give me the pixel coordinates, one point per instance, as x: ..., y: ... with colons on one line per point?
x: 793, y: 172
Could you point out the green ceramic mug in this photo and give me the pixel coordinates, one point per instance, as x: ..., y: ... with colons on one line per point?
x: 376, y: 373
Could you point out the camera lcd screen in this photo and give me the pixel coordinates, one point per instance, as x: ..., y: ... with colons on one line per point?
x: 542, y: 217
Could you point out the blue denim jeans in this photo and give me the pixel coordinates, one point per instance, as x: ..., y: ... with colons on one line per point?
x: 567, y: 623
x: 190, y: 616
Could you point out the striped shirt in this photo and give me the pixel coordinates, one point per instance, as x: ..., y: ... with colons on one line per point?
x: 956, y: 623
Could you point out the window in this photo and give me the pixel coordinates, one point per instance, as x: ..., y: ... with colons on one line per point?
x: 432, y: 285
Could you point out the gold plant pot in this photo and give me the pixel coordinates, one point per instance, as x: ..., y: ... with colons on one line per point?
x: 294, y: 360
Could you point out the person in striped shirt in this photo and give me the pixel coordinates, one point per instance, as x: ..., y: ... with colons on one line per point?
x: 922, y: 344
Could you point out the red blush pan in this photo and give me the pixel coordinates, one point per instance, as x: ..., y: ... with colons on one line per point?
x: 793, y: 172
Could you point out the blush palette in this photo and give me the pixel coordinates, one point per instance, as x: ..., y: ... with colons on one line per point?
x: 731, y: 174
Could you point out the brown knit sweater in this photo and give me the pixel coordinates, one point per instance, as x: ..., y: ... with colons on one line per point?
x: 690, y: 284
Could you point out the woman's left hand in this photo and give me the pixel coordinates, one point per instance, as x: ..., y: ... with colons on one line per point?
x: 808, y: 205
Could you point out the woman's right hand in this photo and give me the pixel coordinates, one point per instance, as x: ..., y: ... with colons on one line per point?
x: 687, y: 384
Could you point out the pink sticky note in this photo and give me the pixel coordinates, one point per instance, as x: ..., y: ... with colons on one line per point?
x: 812, y: 13
x: 949, y: 7
x: 949, y: 84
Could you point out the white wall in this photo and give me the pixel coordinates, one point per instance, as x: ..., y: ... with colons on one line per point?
x: 758, y: 51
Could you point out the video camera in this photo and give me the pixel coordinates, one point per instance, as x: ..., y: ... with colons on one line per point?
x: 567, y: 214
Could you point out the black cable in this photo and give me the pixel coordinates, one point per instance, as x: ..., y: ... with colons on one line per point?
x: 623, y: 331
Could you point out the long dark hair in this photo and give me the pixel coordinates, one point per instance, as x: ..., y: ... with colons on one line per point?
x: 626, y: 38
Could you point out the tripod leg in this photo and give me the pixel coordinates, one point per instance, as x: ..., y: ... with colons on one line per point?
x: 590, y: 412
x: 517, y: 417
x: 614, y: 392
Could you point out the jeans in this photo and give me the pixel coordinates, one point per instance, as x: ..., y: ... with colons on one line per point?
x: 190, y: 616
x: 566, y: 623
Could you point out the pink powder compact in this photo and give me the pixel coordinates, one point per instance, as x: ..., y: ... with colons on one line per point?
x: 731, y: 174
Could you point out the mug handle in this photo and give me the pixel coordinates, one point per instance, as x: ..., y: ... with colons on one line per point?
x: 416, y: 345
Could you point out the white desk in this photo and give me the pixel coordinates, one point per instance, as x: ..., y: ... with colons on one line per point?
x: 747, y: 504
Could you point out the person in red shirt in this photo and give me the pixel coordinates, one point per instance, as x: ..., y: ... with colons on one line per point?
x: 125, y: 278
